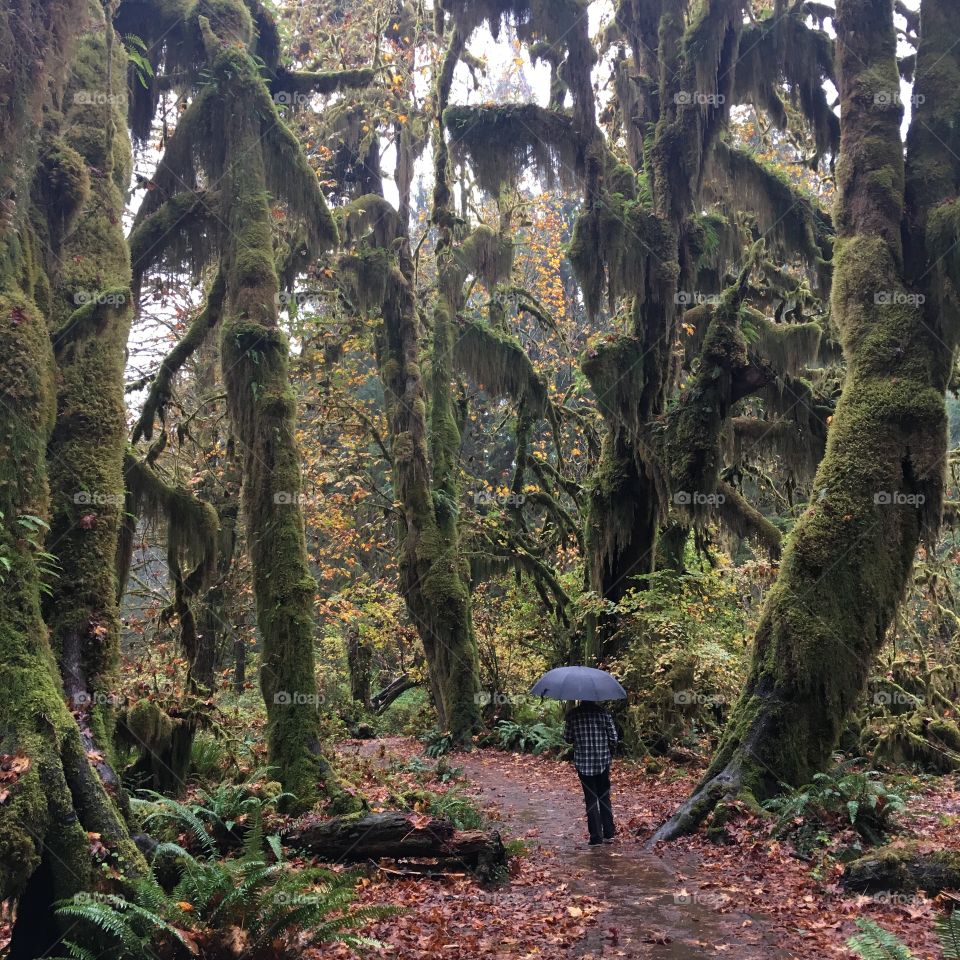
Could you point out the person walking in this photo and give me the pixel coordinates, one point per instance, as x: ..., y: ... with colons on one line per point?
x: 591, y: 730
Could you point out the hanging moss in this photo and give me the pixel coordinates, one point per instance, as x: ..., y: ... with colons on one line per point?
x: 741, y: 519
x: 369, y: 217
x: 622, y: 524
x: 618, y: 397
x: 184, y: 230
x: 154, y: 405
x: 324, y: 82
x: 502, y: 143
x: 618, y: 246
x: 486, y: 254
x: 192, y: 525
x: 790, y: 348
x: 785, y: 217
x: 366, y: 276
x: 782, y: 48
x: 498, y: 364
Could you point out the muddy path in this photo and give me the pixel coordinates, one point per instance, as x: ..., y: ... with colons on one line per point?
x: 655, y: 907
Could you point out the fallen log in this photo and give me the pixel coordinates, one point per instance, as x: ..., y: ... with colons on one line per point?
x: 400, y: 836
x: 904, y: 868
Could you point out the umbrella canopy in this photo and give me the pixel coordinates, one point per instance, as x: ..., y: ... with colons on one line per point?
x: 579, y: 683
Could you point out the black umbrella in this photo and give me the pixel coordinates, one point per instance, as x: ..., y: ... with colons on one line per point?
x: 579, y: 683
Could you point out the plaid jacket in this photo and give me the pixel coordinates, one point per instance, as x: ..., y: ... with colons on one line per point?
x: 591, y: 731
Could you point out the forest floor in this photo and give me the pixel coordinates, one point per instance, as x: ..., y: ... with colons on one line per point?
x: 748, y: 897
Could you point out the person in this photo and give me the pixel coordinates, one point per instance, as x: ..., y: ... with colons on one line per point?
x: 591, y: 730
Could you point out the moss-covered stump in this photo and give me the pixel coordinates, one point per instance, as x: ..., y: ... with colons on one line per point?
x: 904, y: 868
x: 163, y: 743
x: 929, y: 743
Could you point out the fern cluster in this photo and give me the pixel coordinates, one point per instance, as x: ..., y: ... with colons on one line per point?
x: 857, y: 798
x: 539, y: 737
x: 253, y: 905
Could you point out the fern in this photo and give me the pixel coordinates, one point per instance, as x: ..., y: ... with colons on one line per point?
x: 875, y: 943
x: 167, y: 810
x: 948, y: 930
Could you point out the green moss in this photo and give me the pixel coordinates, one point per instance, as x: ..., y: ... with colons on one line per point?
x: 499, y: 365
x: 487, y: 255
x: 501, y: 143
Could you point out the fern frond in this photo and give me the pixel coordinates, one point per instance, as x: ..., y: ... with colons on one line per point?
x: 875, y: 943
x: 948, y: 931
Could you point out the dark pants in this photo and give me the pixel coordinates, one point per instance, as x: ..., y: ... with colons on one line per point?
x: 596, y: 795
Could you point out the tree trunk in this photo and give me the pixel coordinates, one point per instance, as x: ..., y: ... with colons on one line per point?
x: 359, y: 656
x: 881, y: 482
x: 262, y: 405
x: 54, y: 795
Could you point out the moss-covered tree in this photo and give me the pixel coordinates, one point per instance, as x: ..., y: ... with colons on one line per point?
x: 232, y: 133
x: 642, y: 238
x: 56, y: 797
x: 80, y: 188
x: 881, y: 481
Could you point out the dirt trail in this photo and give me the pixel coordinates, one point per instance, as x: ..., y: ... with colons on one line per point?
x: 656, y: 911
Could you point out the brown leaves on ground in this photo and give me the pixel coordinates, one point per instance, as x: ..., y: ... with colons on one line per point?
x: 752, y: 883
x: 534, y: 916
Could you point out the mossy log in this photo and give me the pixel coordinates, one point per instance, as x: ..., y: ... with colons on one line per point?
x: 904, y: 868
x: 397, y: 836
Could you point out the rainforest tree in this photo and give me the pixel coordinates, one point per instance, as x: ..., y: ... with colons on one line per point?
x: 894, y: 302
x: 75, y: 173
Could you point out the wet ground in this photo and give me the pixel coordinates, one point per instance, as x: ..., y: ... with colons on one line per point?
x: 656, y: 910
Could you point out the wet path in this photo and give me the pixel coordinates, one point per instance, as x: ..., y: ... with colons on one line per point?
x: 656, y: 910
